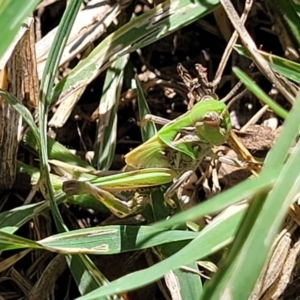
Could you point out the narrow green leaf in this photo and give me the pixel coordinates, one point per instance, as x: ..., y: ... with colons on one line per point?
x: 106, y: 133
x: 11, y: 241
x: 24, y: 112
x: 112, y: 239
x: 244, y: 190
x: 12, y: 14
x: 262, y: 221
x: 149, y: 129
x: 283, y: 66
x: 151, y: 26
x: 259, y: 93
x: 215, y: 236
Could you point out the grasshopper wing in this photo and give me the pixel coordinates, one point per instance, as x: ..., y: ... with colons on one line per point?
x: 148, y: 155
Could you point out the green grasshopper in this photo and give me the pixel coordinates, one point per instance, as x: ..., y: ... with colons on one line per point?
x: 177, y: 148
x: 206, y: 125
x: 182, y: 144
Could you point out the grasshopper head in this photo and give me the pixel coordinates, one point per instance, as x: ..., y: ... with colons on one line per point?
x: 214, y: 127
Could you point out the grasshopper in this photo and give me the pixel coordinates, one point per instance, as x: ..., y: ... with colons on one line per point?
x: 182, y: 144
x: 176, y: 150
x: 192, y: 134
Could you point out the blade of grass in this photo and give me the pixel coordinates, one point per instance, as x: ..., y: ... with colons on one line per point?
x: 262, y: 220
x: 12, y: 14
x: 107, y: 124
x: 103, y: 240
x: 12, y: 220
x: 24, y: 112
x: 259, y: 93
x: 283, y: 66
x: 151, y: 26
x: 215, y: 236
x: 179, y: 280
x: 149, y: 129
x: 47, y: 82
x: 87, y: 275
x: 12, y: 242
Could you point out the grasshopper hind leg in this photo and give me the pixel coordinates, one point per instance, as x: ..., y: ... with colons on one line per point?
x: 116, y: 203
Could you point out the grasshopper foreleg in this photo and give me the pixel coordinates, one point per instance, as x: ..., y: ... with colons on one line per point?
x: 154, y: 119
x: 173, y: 188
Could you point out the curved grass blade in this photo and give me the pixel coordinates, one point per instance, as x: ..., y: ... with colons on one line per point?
x: 13, y: 219
x: 151, y: 26
x: 99, y: 240
x: 47, y: 82
x: 87, y: 276
x: 149, y: 129
x: 80, y: 265
x: 24, y: 112
x: 259, y: 93
x: 12, y: 14
x: 283, y: 66
x: 212, y: 238
x: 106, y: 133
x: 278, y: 154
x: 181, y: 284
x: 262, y: 220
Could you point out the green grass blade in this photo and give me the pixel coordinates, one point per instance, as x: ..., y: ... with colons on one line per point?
x: 160, y: 211
x: 13, y: 219
x: 149, y: 129
x: 78, y: 266
x: 215, y: 236
x: 113, y: 239
x: 55, y: 53
x: 259, y: 93
x: 24, y: 112
x: 261, y: 223
x: 106, y: 133
x: 151, y: 26
x: 283, y: 66
x: 47, y: 82
x: 11, y: 242
x: 12, y: 14
x: 83, y: 268
x: 290, y: 13
x: 102, y: 240
x: 280, y: 151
